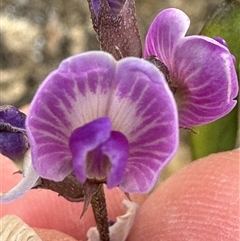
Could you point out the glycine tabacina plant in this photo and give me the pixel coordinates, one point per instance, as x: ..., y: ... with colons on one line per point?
x: 113, y: 116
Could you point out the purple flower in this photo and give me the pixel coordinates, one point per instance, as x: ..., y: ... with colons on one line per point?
x: 115, y: 23
x: 201, y: 69
x: 13, y: 140
x: 103, y: 120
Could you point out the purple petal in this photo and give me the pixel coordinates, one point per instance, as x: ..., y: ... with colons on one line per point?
x: 144, y: 110
x: 96, y: 6
x: 224, y: 43
x: 13, y: 145
x: 117, y: 150
x: 30, y: 178
x: 204, y: 72
x: 75, y: 94
x: 115, y: 5
x: 166, y: 30
x: 13, y: 141
x: 11, y: 115
x: 84, y: 140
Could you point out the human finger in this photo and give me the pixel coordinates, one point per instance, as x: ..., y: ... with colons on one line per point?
x: 200, y: 202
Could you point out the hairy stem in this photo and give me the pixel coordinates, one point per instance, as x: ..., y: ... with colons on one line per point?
x: 99, y: 207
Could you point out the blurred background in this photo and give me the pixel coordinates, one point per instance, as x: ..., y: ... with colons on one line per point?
x: 36, y: 35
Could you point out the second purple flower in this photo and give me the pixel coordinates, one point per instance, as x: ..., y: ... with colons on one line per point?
x: 201, y: 69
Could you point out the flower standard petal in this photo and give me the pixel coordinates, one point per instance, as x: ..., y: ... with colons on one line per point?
x: 75, y: 94
x: 206, y: 80
x: 166, y: 30
x: 131, y: 92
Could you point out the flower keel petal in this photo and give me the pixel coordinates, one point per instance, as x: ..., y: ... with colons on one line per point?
x: 116, y: 148
x: 84, y: 140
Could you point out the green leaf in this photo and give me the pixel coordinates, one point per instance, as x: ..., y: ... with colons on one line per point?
x: 220, y: 135
x: 215, y: 137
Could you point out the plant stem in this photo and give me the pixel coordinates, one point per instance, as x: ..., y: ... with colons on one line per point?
x: 99, y: 207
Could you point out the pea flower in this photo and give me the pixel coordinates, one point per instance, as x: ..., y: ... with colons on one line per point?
x: 115, y: 24
x: 201, y: 69
x: 102, y: 120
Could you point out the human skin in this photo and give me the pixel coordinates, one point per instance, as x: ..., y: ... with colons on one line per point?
x: 200, y: 202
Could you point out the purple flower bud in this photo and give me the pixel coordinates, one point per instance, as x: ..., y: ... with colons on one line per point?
x: 14, y: 145
x: 116, y: 26
x: 12, y: 116
x: 13, y: 139
x: 115, y: 6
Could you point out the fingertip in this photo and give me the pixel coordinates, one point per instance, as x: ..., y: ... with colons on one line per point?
x: 200, y: 202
